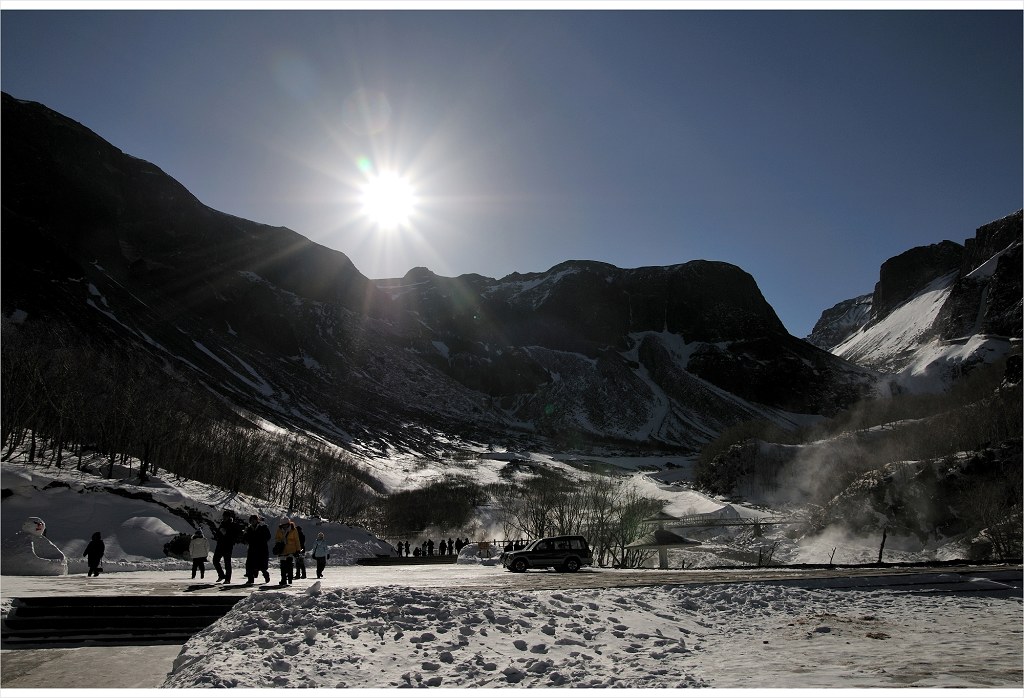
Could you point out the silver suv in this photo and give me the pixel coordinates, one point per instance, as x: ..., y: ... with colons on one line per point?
x: 564, y: 553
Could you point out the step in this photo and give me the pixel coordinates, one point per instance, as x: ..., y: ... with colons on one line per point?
x: 423, y: 560
x: 110, y: 611
x: 111, y: 620
x: 101, y: 622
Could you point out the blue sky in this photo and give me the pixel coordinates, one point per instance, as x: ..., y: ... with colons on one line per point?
x: 806, y: 147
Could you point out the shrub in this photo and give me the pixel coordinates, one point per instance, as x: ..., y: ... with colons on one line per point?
x: 178, y: 546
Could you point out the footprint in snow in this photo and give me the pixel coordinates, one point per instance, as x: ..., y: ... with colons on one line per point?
x: 513, y: 675
x: 569, y: 641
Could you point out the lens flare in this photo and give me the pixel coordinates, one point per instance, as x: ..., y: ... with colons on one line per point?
x: 366, y: 112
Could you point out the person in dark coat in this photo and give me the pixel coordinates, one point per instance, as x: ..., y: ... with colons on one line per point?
x: 300, y: 557
x: 227, y: 534
x: 407, y: 548
x: 443, y: 548
x: 257, y: 556
x: 94, y: 554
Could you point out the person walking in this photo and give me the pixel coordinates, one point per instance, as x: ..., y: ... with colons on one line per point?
x: 257, y: 556
x: 300, y: 557
x: 94, y: 554
x: 407, y: 548
x: 319, y: 553
x: 198, y: 549
x: 286, y: 544
x: 226, y: 534
x: 443, y: 548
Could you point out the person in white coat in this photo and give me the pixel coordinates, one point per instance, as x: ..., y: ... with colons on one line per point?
x: 319, y: 553
x: 198, y: 549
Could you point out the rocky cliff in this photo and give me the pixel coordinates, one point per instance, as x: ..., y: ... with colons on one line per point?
x: 936, y: 311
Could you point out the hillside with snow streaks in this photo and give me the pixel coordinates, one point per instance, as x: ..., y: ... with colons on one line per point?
x: 888, y: 343
x: 936, y: 312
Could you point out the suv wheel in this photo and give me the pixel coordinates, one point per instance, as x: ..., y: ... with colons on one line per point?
x: 572, y: 565
x: 519, y: 564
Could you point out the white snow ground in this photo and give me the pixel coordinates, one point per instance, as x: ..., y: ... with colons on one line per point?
x: 731, y: 636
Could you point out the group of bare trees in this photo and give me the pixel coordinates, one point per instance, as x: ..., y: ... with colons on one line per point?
x: 608, y: 511
x: 67, y: 401
x: 64, y: 397
x: 448, y: 503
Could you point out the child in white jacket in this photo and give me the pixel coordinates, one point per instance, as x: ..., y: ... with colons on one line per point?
x: 319, y: 553
x: 198, y: 549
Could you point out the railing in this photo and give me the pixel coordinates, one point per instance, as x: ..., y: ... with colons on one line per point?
x: 712, y: 520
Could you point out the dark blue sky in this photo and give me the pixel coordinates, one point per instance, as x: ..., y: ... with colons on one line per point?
x: 804, y: 146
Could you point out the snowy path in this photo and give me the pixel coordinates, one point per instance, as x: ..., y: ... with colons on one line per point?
x: 172, y: 582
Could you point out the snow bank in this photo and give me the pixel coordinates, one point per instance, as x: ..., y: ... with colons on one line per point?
x: 689, y: 636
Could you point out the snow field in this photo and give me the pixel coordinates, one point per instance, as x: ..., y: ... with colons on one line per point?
x: 692, y: 636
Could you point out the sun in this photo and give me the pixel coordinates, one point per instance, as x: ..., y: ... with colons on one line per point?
x: 388, y: 200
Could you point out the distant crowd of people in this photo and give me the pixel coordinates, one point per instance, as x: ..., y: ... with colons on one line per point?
x: 426, y: 548
x: 289, y: 547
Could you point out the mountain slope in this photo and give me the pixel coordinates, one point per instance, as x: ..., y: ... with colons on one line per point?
x: 287, y: 331
x: 936, y: 311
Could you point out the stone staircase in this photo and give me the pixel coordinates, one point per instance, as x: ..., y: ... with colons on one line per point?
x: 109, y: 620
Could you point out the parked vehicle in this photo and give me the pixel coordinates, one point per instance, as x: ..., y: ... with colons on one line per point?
x: 564, y: 553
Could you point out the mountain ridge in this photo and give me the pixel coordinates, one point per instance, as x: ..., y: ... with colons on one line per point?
x: 582, y: 355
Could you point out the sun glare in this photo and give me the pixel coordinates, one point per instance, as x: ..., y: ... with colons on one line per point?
x: 388, y: 200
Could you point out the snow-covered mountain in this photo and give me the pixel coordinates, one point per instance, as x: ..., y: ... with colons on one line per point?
x: 936, y: 310
x: 290, y: 332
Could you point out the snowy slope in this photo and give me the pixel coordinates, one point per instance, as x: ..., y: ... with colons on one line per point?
x: 908, y: 344
x: 888, y: 343
x: 937, y: 333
